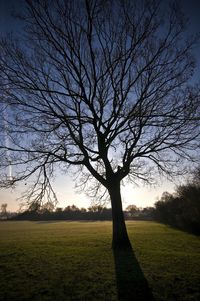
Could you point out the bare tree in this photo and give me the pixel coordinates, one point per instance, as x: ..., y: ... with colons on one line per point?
x: 132, y: 210
x: 4, y: 213
x: 101, y: 86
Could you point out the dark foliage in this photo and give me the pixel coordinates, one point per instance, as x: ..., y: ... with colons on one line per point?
x: 181, y: 209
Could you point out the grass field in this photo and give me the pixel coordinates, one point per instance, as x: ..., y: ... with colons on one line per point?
x: 74, y: 261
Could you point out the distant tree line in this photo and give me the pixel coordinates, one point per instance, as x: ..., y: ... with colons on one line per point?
x: 181, y: 209
x: 74, y: 213
x: 68, y: 213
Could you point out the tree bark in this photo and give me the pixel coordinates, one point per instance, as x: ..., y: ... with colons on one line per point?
x: 120, y: 239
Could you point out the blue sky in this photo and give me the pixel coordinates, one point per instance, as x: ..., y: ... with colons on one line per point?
x: 64, y: 186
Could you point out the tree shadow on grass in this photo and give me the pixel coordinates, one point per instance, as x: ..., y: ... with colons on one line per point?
x: 131, y: 282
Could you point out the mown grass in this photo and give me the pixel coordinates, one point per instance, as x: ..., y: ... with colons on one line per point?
x: 74, y: 261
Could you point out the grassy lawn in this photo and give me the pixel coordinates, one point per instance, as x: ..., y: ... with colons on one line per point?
x: 74, y: 261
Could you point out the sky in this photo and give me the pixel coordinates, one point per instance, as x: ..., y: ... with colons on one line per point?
x: 141, y: 196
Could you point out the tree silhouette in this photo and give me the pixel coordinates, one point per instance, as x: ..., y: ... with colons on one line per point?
x: 100, y: 86
x: 4, y: 213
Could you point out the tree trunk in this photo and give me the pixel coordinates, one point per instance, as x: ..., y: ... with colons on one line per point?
x: 120, y: 238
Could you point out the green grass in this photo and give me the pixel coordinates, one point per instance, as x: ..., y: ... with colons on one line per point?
x: 74, y: 261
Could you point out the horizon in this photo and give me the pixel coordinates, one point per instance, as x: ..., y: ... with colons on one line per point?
x: 142, y: 197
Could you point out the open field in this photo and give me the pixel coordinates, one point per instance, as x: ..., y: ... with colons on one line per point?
x: 74, y: 261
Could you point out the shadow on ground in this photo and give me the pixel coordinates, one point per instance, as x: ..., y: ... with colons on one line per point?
x: 131, y: 282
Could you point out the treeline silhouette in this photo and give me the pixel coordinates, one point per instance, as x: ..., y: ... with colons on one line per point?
x: 181, y: 209
x: 75, y: 213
